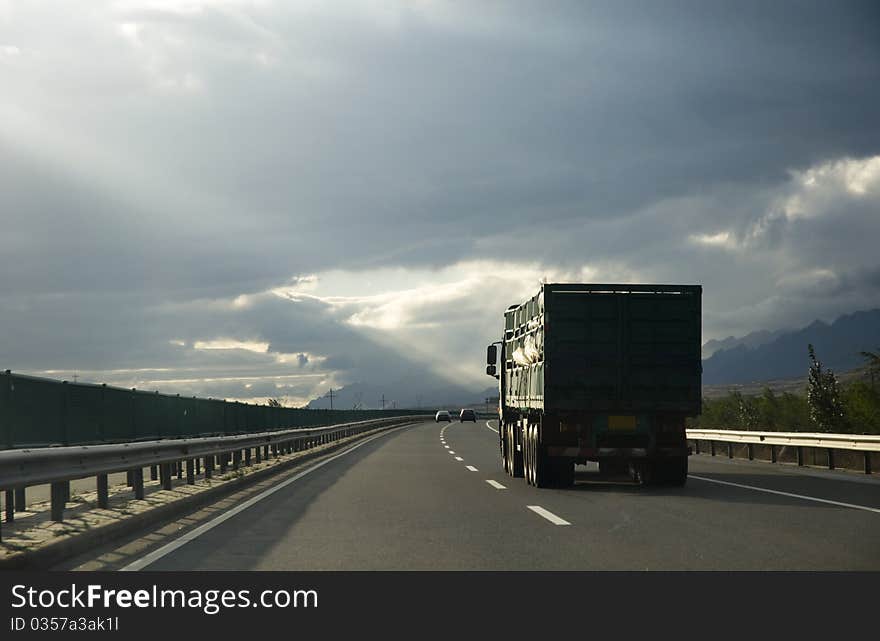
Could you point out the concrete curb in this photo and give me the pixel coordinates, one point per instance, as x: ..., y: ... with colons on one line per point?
x: 71, y: 545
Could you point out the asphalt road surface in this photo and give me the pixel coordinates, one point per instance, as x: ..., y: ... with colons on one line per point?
x: 434, y: 497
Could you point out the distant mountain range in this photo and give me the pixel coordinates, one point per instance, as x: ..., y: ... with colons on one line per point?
x: 755, y: 339
x: 754, y: 358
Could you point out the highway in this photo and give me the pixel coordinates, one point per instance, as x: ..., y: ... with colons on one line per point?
x: 434, y: 497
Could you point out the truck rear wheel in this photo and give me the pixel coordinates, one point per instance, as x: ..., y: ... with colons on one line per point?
x: 541, y: 470
x: 515, y: 458
x: 563, y: 471
x: 528, y: 465
x: 502, y: 443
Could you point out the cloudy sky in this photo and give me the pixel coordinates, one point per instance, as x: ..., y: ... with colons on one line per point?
x: 266, y: 199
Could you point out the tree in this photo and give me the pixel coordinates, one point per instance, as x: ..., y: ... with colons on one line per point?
x: 823, y: 397
x: 747, y: 411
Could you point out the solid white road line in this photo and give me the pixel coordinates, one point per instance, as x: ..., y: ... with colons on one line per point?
x: 472, y: 468
x: 555, y: 520
x: 490, y: 427
x: 794, y: 496
x: 495, y: 484
x: 458, y: 458
x: 155, y: 555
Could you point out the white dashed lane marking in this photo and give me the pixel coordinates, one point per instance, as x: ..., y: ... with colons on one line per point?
x: 472, y: 468
x: 495, y: 484
x: 458, y: 458
x: 555, y: 520
x: 794, y: 496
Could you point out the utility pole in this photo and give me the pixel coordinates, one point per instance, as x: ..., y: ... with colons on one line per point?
x: 383, y: 401
x: 75, y: 377
x: 330, y: 394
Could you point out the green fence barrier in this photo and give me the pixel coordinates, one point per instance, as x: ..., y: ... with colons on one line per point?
x: 39, y: 412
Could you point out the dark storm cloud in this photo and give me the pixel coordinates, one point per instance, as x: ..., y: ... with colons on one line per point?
x: 156, y: 161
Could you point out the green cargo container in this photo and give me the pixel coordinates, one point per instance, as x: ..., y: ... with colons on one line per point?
x: 599, y: 372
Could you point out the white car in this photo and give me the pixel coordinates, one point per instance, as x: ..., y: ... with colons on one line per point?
x: 442, y: 415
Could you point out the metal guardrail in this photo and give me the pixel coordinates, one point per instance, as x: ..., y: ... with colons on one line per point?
x: 865, y: 443
x: 59, y: 465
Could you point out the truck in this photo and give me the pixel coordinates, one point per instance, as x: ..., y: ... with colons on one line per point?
x: 598, y: 372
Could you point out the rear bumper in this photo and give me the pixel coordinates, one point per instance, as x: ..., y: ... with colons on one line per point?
x: 616, y: 452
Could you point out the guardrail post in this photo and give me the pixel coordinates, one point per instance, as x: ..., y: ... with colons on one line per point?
x: 773, y: 454
x: 800, y: 456
x: 103, y: 494
x: 751, y: 448
x: 867, y: 462
x: 222, y: 458
x: 178, y: 465
x: 10, y: 506
x: 190, y: 472
x: 137, y: 476
x: 830, y: 459
x: 236, y: 459
x: 129, y: 479
x: 154, y: 473
x: 258, y: 451
x: 696, y: 446
x: 209, y: 466
x: 730, y: 450
x: 19, y: 499
x: 60, y: 493
x: 165, y: 475
x: 266, y: 452
x: 198, y: 464
x: 247, y: 456
x: 712, y: 447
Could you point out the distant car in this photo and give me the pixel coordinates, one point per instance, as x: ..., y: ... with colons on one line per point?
x: 442, y: 415
x: 467, y: 415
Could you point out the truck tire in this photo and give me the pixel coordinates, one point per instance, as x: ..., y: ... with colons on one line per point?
x: 542, y: 471
x: 508, y: 454
x: 563, y: 471
x: 528, y: 465
x: 516, y: 458
x: 502, y: 444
